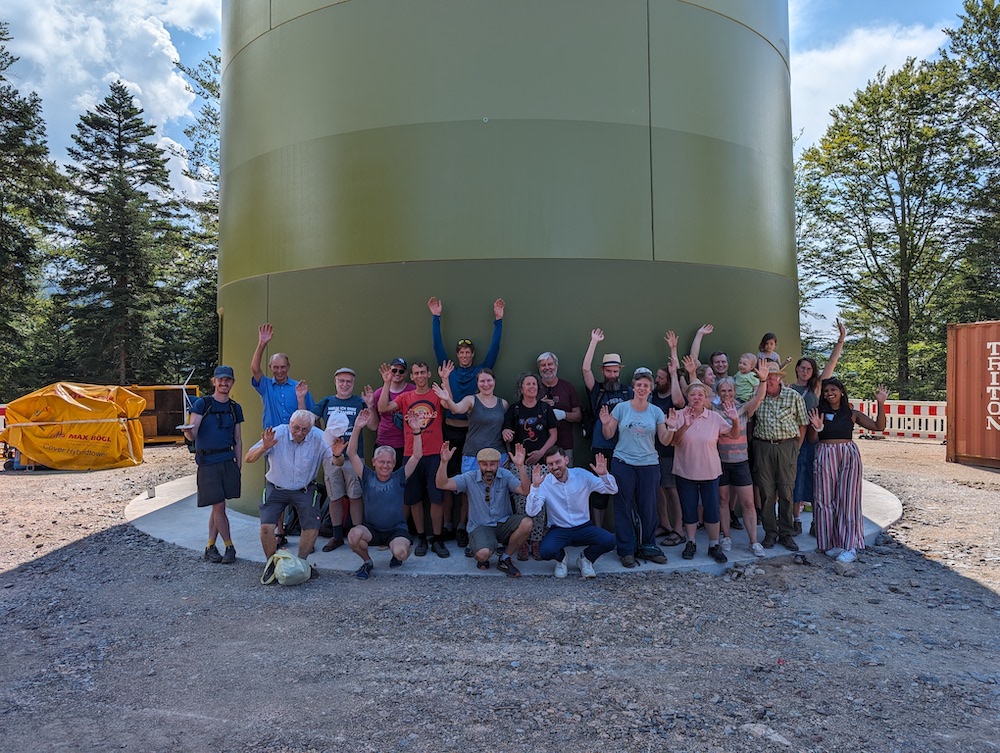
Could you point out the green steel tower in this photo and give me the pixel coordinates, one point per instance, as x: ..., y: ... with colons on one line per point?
x: 624, y: 165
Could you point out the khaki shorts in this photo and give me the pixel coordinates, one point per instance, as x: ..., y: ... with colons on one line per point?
x: 487, y: 537
x: 341, y: 480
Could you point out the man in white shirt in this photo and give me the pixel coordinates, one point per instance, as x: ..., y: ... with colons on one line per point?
x: 566, y: 494
x: 295, y: 451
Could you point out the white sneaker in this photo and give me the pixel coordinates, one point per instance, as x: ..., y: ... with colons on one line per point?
x: 586, y: 568
x: 757, y: 549
x: 726, y: 544
x: 848, y: 555
x: 562, y: 568
x: 834, y: 551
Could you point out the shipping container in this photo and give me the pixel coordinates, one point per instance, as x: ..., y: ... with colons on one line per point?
x: 165, y: 410
x: 974, y: 394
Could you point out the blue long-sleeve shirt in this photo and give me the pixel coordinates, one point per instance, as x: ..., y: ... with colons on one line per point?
x: 462, y: 380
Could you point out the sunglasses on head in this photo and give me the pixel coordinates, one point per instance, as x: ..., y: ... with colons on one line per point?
x: 465, y: 343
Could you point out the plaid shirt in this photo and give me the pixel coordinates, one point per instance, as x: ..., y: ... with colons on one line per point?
x: 780, y: 417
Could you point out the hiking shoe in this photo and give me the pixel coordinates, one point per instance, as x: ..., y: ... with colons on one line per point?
x: 562, y: 568
x: 757, y: 549
x: 734, y: 522
x: 689, y: 549
x: 789, y: 543
x: 395, y: 562
x: 461, y: 538
x: 333, y: 544
x: 716, y: 553
x: 770, y: 539
x: 508, y: 568
x: 726, y: 543
x: 230, y: 556
x: 628, y: 561
x: 586, y: 568
x: 522, y: 553
x: 651, y: 554
x: 468, y: 551
x: 421, y: 548
x: 440, y: 549
x: 212, y: 554
x: 483, y: 565
x: 848, y: 555
x: 797, y: 524
x: 365, y: 571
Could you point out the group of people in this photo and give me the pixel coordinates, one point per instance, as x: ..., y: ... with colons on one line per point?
x: 672, y: 449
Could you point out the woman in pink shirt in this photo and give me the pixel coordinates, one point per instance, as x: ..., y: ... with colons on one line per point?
x: 697, y: 466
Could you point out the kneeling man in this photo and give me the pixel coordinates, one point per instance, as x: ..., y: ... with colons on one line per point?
x: 491, y: 520
x: 382, y: 492
x: 565, y: 492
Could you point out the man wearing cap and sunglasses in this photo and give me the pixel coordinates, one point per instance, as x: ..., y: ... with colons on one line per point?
x: 610, y: 392
x: 462, y: 382
x: 341, y: 480
x: 218, y: 444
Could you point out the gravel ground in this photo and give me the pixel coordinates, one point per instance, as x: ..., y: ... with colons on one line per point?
x: 117, y: 641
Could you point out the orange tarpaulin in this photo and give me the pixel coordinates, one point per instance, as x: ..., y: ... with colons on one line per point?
x: 77, y: 427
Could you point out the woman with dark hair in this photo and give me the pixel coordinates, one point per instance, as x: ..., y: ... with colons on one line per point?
x: 807, y: 382
x: 530, y: 422
x: 636, y: 467
x: 837, y: 510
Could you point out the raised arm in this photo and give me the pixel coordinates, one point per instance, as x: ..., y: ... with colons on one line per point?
x: 494, y: 352
x: 588, y: 359
x: 385, y: 405
x: 264, y: 334
x: 441, y: 477
x: 357, y: 463
x: 416, y: 423
x: 676, y: 392
x: 517, y: 457
x: 609, y: 424
x: 267, y: 441
x: 831, y: 363
x: 750, y: 407
x: 436, y: 307
x: 879, y: 423
x: 704, y: 329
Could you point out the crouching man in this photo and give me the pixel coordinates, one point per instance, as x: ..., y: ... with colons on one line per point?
x: 491, y: 519
x: 382, y: 491
x: 566, y: 493
x: 295, y: 452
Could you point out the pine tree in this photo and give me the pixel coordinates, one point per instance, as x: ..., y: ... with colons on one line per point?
x: 30, y: 202
x: 124, y: 233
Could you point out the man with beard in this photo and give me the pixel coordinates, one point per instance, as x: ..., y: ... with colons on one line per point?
x: 610, y: 392
x: 561, y: 395
x: 491, y: 519
x: 566, y: 494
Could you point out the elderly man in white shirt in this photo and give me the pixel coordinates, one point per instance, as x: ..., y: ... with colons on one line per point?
x: 566, y: 494
x: 295, y: 451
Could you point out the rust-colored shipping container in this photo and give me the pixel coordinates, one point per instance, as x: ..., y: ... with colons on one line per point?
x: 974, y: 394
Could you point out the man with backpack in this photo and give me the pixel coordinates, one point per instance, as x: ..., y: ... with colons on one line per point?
x: 218, y: 447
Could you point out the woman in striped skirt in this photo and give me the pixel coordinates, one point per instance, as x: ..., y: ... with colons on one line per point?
x: 837, y: 509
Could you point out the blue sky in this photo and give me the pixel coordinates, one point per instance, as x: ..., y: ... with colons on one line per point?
x: 71, y: 50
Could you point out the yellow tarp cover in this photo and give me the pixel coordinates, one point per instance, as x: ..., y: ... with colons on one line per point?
x: 77, y: 427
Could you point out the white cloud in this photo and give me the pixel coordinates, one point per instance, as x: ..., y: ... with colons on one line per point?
x: 71, y: 50
x: 825, y: 77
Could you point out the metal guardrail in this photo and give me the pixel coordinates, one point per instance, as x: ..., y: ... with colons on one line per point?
x: 908, y: 418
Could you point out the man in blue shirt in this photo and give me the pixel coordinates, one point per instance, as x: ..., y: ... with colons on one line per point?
x: 463, y: 383
x: 281, y: 396
x: 218, y: 443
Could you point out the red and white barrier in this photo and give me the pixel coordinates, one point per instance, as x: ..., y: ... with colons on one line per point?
x: 908, y: 418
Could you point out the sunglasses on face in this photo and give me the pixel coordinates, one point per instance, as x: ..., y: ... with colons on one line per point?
x: 397, y: 371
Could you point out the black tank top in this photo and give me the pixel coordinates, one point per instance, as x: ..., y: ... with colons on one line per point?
x: 841, y: 427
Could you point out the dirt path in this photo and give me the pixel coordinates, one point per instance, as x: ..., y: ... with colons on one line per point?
x: 116, y: 641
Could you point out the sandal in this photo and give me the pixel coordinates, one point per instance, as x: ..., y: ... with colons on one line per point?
x: 483, y: 565
x: 522, y: 553
x: 674, y: 538
x: 661, y: 530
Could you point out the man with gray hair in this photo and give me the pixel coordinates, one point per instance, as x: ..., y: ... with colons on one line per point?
x: 563, y: 398
x: 382, y: 489
x: 295, y: 451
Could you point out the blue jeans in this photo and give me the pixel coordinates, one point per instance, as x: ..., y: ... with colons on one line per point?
x: 691, y: 491
x: 597, y: 540
x: 638, y: 486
